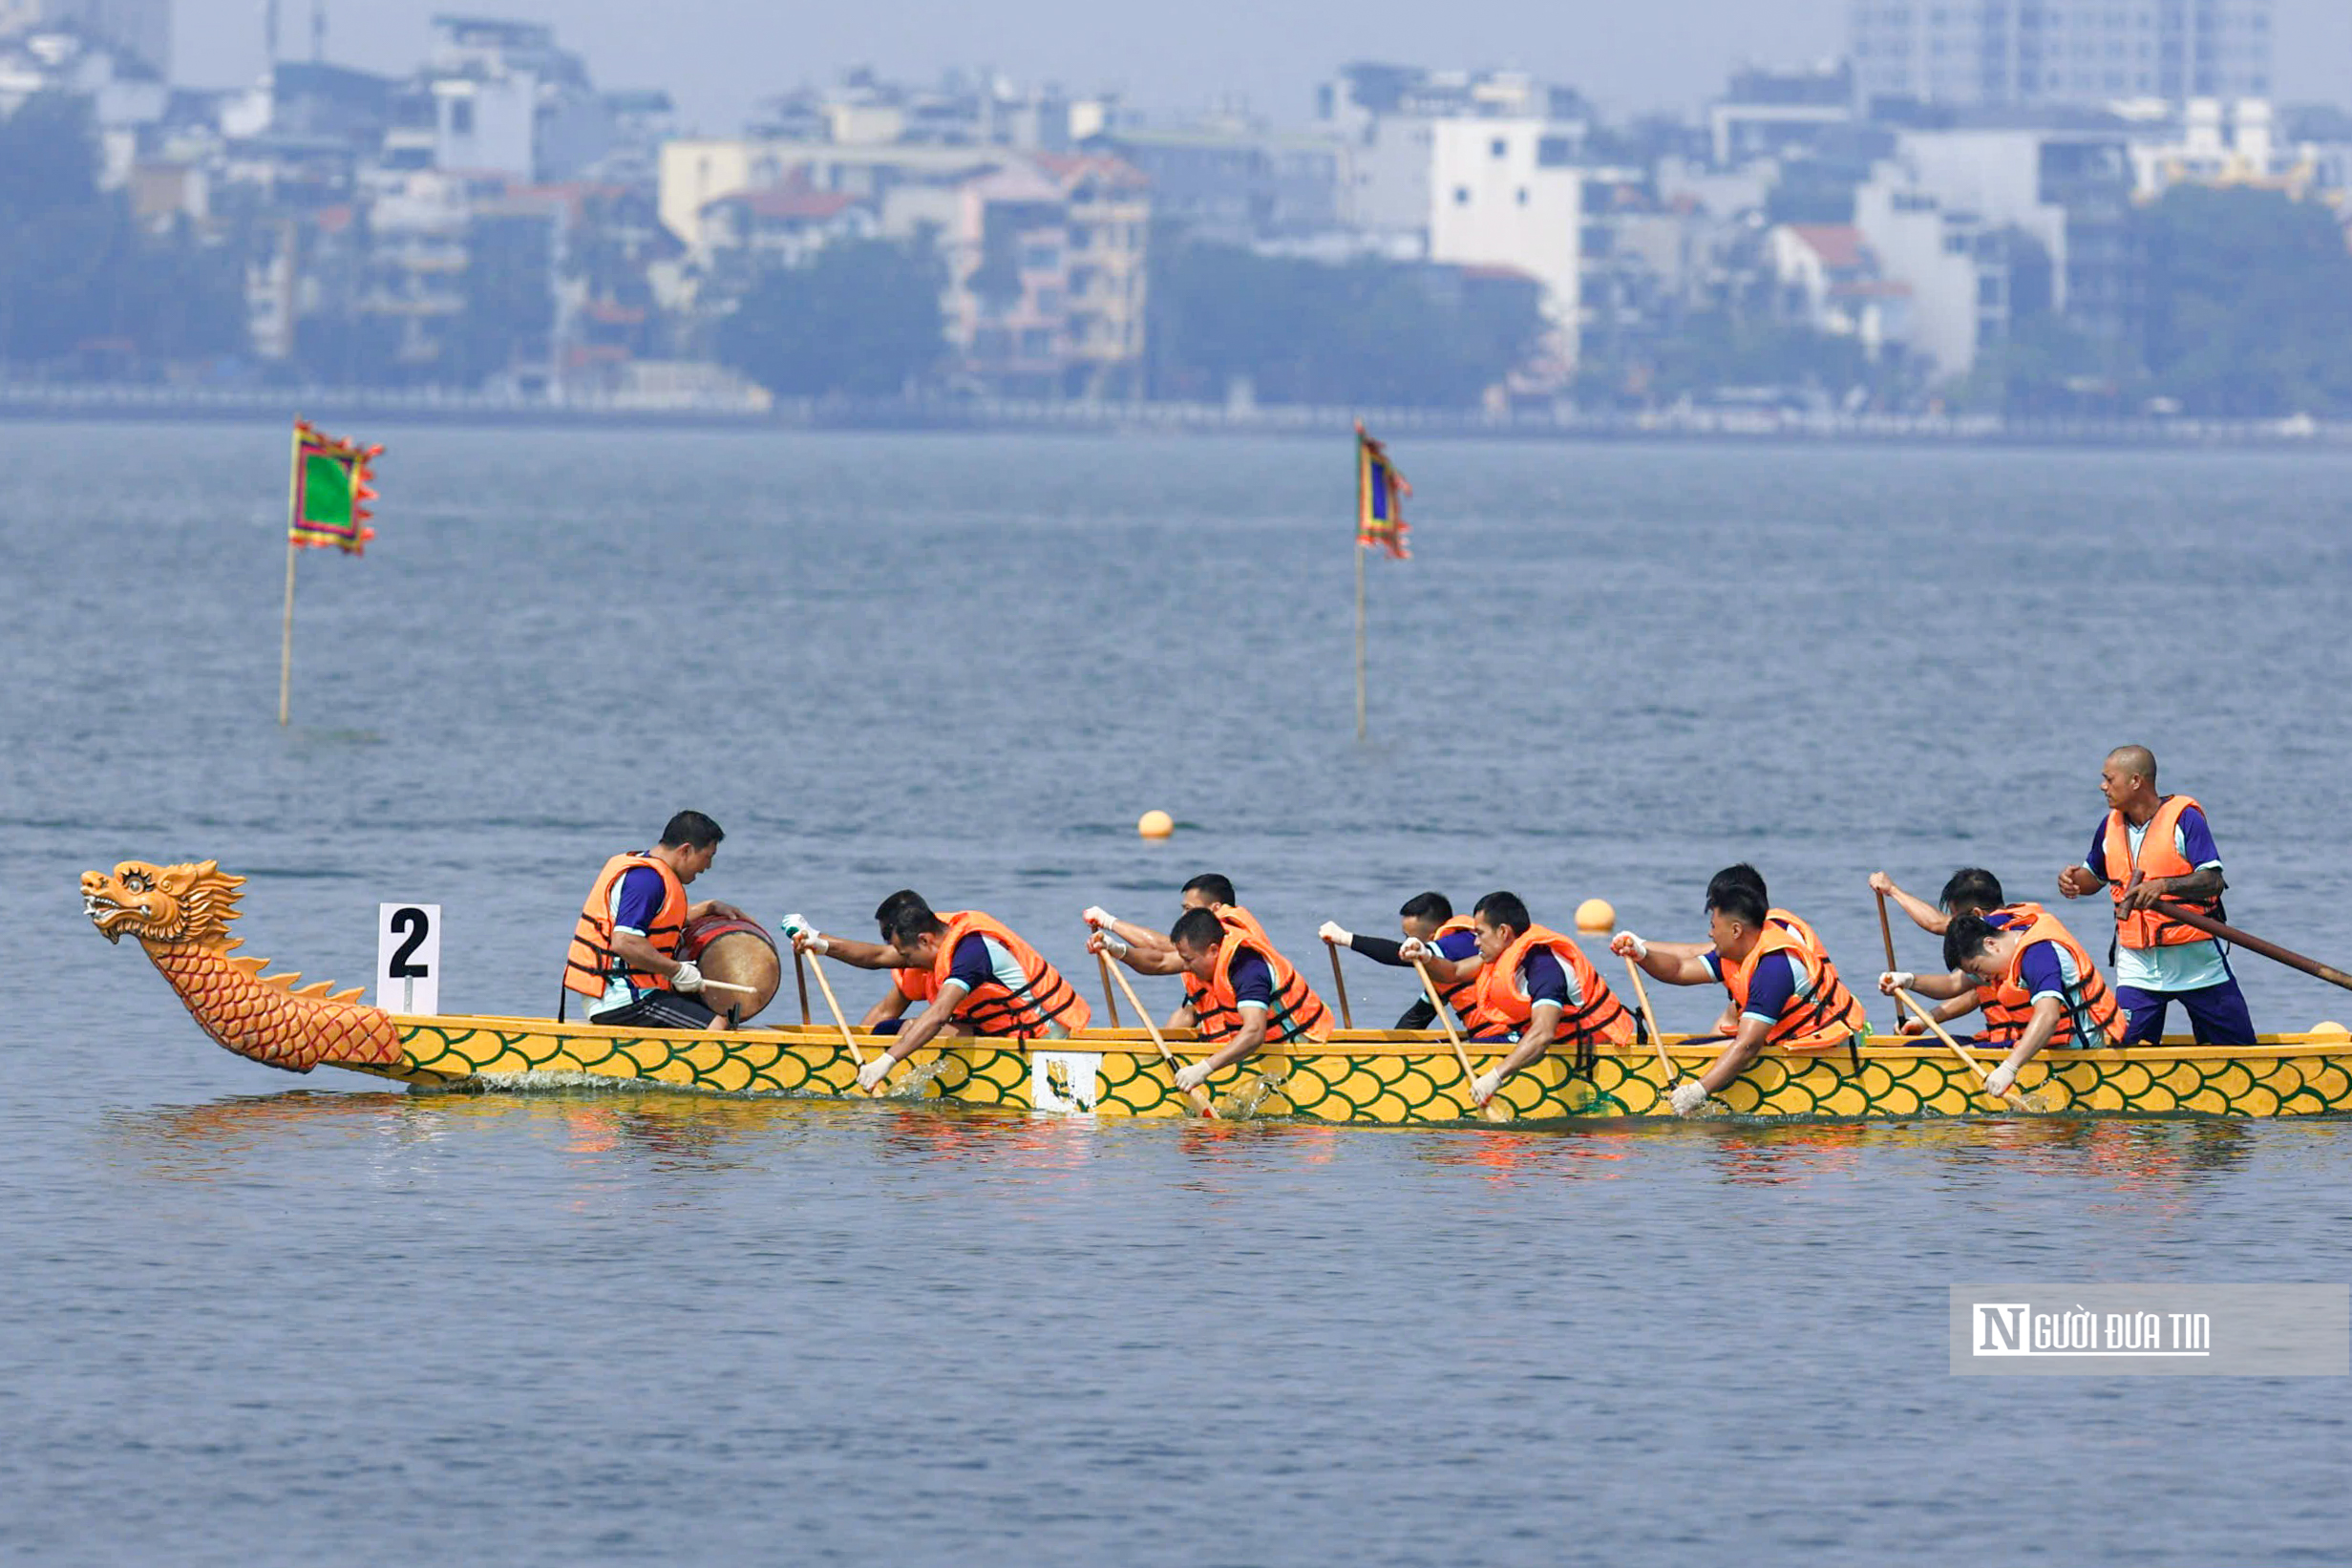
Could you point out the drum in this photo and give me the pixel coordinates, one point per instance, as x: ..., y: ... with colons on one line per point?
x: 734, y: 953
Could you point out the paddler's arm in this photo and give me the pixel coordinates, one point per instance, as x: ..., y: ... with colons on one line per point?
x: 1744, y: 1049
x: 2047, y: 1010
x: 1542, y: 1022
x: 1676, y: 963
x: 861, y: 955
x: 1112, y: 939
x: 1238, y: 1049
x: 1379, y: 949
x: 1946, y: 987
x: 1924, y: 915
x: 935, y: 1018
x: 1446, y: 971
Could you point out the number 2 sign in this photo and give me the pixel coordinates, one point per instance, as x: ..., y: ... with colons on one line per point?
x: 407, y: 957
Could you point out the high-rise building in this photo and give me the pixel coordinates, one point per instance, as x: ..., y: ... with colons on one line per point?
x: 2060, y: 52
x: 138, y: 27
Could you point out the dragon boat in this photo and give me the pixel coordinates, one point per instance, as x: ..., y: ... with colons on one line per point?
x: 180, y: 916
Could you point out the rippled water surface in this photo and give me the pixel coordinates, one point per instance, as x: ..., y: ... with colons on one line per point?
x: 260, y: 1320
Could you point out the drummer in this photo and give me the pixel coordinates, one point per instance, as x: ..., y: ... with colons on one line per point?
x: 984, y: 980
x: 624, y: 953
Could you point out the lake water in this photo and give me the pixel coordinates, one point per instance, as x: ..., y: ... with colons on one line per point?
x: 260, y: 1320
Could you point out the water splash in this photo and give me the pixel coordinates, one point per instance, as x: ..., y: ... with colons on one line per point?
x: 1244, y: 1100
x: 918, y: 1079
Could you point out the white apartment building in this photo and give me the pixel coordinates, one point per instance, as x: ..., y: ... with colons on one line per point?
x: 2060, y: 52
x: 1511, y: 192
x: 139, y: 28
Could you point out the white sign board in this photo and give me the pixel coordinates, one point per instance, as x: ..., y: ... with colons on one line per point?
x: 407, y: 957
x: 1069, y: 1082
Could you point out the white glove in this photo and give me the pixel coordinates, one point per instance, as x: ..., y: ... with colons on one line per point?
x: 1336, y: 934
x: 1190, y: 1078
x: 1625, y: 944
x: 876, y: 1069
x: 1413, y: 950
x: 1097, y: 916
x: 2002, y: 1077
x: 1688, y: 1097
x: 795, y: 924
x: 1116, y: 945
x: 1897, y: 980
x: 686, y: 978
x: 1483, y: 1087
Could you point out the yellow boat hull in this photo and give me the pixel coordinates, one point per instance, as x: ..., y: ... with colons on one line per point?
x: 1388, y: 1078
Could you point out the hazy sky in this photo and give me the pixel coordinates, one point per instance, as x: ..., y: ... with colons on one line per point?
x: 719, y: 57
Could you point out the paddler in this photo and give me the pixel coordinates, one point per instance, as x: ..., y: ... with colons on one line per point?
x: 1147, y: 952
x: 1429, y: 920
x: 1242, y: 976
x: 981, y: 978
x: 1783, y: 991
x: 623, y: 952
x: 2153, y: 846
x: 1971, y: 890
x: 1744, y: 875
x: 1535, y: 985
x: 2039, y: 969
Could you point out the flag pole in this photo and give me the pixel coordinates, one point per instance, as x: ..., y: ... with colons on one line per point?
x: 293, y: 516
x: 1357, y: 640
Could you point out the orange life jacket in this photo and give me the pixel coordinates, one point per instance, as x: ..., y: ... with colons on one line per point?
x: 917, y: 985
x: 2146, y: 928
x: 1210, y: 1019
x: 1462, y: 996
x: 1297, y: 1012
x: 1023, y: 1012
x: 2091, y: 1012
x: 2003, y: 1022
x: 591, y: 966
x: 1822, y: 1012
x: 1599, y: 1016
x: 1806, y: 934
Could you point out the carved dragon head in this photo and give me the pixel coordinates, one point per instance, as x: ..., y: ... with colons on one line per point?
x: 164, y: 905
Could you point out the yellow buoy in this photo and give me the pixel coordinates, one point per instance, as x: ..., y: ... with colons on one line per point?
x: 1155, y: 825
x: 2330, y: 1029
x: 1596, y: 915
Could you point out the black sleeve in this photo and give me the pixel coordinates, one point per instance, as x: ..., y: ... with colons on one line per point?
x: 1419, y: 1016
x: 1380, y: 950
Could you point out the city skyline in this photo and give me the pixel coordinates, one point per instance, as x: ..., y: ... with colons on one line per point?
x: 1674, y: 55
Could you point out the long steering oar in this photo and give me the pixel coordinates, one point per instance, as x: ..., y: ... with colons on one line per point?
x: 2016, y: 1099
x: 1206, y: 1106
x: 840, y: 1021
x: 1454, y: 1037
x: 2271, y: 950
x: 1338, y: 977
x: 1886, y: 934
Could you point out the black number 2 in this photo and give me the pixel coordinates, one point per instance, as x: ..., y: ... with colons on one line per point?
x: 413, y: 920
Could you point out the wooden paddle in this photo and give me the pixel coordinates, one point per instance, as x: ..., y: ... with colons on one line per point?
x: 839, y: 1020
x: 1111, y: 998
x: 1454, y: 1037
x: 2271, y: 950
x: 801, y: 974
x: 1348, y: 1017
x: 1928, y: 1017
x: 1658, y: 1036
x: 1199, y: 1096
x: 1886, y: 934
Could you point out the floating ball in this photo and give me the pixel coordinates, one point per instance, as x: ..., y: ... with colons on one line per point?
x: 1596, y: 915
x: 1155, y: 825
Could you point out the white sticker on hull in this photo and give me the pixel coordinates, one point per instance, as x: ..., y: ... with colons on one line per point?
x: 1066, y: 1081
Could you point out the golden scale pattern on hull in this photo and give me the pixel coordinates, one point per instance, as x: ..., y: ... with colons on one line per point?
x: 1394, y: 1079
